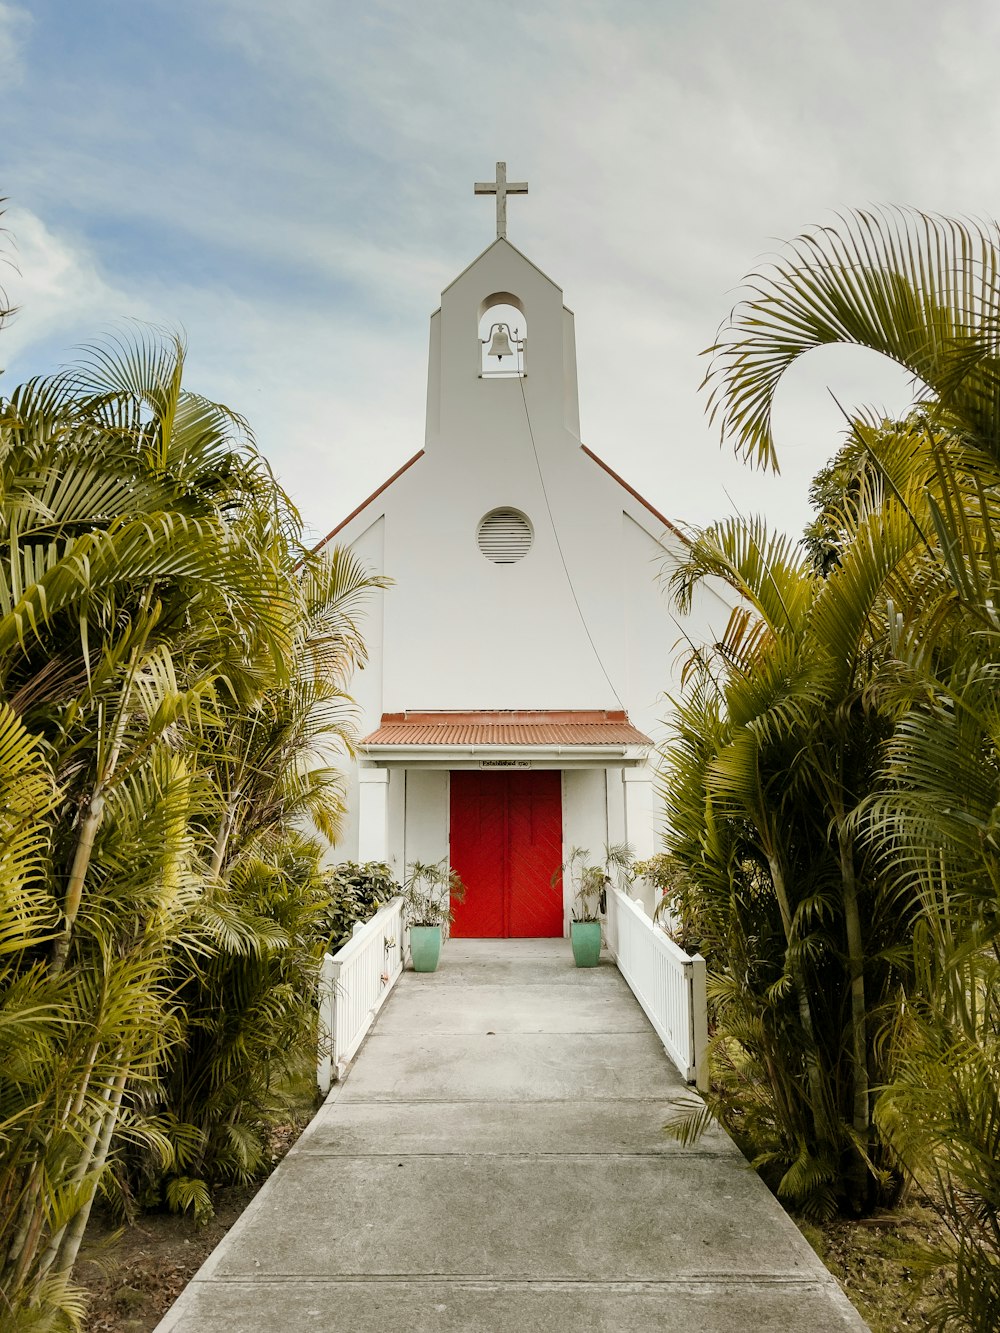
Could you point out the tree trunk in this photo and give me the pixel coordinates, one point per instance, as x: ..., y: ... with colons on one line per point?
x: 77, y: 876
x: 95, y: 808
x: 222, y: 838
x: 79, y: 1172
x: 813, y: 1071
x: 70, y: 1247
x: 856, y: 963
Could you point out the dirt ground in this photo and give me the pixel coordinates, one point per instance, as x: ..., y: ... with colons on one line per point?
x: 878, y: 1264
x: 133, y: 1275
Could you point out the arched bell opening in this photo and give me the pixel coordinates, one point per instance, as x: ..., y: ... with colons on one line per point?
x: 503, y: 332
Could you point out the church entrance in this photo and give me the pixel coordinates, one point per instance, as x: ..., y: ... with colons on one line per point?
x: 506, y: 845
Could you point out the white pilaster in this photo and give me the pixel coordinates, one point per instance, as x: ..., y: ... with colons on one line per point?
x: 373, y: 790
x: 639, y: 822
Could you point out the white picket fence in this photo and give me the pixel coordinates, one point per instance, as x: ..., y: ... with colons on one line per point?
x: 354, y: 983
x: 667, y: 982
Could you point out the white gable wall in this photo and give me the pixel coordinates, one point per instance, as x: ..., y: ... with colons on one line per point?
x: 497, y: 636
x: 582, y: 627
x: 366, y: 686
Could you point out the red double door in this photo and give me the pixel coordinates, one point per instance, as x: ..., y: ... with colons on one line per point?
x: 506, y: 845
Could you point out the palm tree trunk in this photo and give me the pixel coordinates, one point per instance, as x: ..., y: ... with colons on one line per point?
x: 27, y: 1236
x: 814, y: 1073
x: 858, y: 1176
x: 29, y: 1231
x: 77, y: 876
x: 856, y: 968
x: 84, y: 1164
x: 222, y: 838
x: 95, y: 806
x: 70, y: 1247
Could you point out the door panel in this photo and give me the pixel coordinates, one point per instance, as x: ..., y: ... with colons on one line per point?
x: 479, y: 851
x: 534, y: 851
x: 506, y: 843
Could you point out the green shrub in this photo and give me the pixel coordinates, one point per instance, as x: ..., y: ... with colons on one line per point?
x: 356, y: 893
x: 676, y: 898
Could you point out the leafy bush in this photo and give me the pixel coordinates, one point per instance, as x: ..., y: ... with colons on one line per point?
x: 589, y: 882
x: 676, y: 898
x: 356, y: 893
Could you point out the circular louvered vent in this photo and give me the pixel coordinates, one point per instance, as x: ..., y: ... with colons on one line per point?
x: 504, y: 536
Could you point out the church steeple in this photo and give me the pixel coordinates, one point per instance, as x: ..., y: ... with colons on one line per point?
x: 502, y: 348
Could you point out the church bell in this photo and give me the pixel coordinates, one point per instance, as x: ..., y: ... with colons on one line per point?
x: 500, y: 343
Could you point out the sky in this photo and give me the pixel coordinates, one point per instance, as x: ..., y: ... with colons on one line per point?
x: 289, y: 183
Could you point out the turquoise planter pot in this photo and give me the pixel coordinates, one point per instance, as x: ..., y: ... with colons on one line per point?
x: 585, y: 937
x: 425, y: 947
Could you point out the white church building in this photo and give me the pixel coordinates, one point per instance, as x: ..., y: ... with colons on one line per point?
x: 521, y: 661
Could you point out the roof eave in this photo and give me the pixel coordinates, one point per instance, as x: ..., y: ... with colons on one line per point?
x: 365, y: 503
x: 668, y: 526
x: 502, y: 241
x: 502, y: 756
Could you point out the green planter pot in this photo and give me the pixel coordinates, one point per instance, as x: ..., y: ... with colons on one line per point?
x: 425, y: 947
x: 585, y: 937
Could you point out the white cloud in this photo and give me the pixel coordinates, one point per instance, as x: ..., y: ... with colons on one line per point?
x: 14, y: 24
x: 336, y: 409
x: 308, y: 385
x: 302, y: 248
x: 58, y: 290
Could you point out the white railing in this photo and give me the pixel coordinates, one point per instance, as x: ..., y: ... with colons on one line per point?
x: 354, y: 983
x: 667, y: 982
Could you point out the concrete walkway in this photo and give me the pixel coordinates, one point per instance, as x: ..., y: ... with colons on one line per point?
x: 494, y: 1161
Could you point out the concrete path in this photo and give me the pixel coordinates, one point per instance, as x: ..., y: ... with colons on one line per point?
x: 495, y: 1161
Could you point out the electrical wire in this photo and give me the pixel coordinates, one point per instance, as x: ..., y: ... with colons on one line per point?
x: 562, y: 556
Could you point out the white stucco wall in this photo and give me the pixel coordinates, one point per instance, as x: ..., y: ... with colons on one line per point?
x: 396, y: 852
x: 641, y: 815
x: 615, y: 805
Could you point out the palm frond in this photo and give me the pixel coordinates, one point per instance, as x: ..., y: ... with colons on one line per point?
x: 923, y: 291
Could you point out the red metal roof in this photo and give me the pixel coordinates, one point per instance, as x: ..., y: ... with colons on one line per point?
x: 566, y: 727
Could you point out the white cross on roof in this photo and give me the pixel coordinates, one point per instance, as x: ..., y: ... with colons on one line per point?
x: 501, y: 188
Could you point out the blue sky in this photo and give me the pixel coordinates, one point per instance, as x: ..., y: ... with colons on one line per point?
x: 291, y: 185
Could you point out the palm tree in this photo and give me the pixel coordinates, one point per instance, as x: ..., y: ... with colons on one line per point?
x: 157, y: 632
x: 925, y: 292
x: 787, y: 700
x: 5, y: 310
x: 247, y: 1011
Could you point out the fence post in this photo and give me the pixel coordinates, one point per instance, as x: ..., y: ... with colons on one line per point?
x: 611, y: 925
x: 699, y: 1022
x: 327, y: 1000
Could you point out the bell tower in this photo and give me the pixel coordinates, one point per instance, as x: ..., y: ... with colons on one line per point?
x: 503, y: 334
x: 486, y: 377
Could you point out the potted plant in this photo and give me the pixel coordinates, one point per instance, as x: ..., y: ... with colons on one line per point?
x: 589, y: 883
x: 428, y: 892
